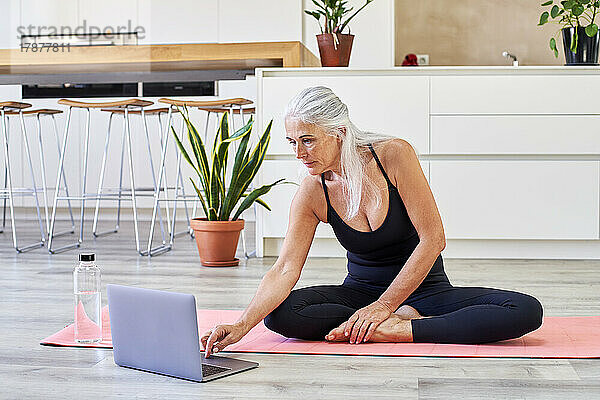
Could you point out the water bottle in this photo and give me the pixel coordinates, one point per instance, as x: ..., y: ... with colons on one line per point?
x: 86, y: 285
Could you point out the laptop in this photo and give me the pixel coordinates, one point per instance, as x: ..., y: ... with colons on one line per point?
x: 157, y: 331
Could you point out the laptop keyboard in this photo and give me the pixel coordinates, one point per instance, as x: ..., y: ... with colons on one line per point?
x: 208, y: 370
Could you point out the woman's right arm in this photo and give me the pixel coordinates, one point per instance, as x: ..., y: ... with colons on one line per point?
x: 278, y: 282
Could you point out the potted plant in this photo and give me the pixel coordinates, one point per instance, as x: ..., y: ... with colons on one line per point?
x: 334, y: 45
x: 217, y: 233
x: 579, y: 29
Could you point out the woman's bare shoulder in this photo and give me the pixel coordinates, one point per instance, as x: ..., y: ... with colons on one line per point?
x: 397, y: 155
x: 394, y: 150
x: 310, y: 195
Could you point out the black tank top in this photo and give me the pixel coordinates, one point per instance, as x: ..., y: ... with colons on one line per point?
x: 376, y: 257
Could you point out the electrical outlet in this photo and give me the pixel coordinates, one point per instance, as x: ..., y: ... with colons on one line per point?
x: 423, y: 59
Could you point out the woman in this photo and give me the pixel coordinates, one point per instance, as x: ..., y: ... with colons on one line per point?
x: 371, y: 189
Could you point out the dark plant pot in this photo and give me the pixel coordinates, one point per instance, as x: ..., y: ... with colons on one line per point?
x: 217, y: 241
x: 587, y: 47
x: 335, y: 54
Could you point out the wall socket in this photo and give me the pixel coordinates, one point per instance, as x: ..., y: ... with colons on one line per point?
x: 423, y: 59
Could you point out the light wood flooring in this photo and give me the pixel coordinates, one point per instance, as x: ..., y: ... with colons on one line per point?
x: 36, y: 301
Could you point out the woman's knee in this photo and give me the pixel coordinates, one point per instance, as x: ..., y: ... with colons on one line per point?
x: 284, y: 319
x: 531, y: 312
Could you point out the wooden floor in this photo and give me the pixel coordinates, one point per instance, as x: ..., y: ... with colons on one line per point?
x: 36, y: 300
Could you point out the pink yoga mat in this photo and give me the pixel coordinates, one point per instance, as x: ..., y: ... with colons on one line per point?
x: 559, y: 337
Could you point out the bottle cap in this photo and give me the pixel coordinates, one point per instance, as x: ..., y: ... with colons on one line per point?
x: 87, y: 257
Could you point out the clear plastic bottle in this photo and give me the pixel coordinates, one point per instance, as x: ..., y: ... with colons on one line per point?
x: 86, y: 286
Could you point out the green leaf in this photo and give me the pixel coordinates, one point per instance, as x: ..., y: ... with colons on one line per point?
x: 184, y: 151
x: 591, y: 30
x: 578, y: 10
x: 260, y: 201
x: 544, y: 18
x: 199, y: 150
x: 199, y: 193
x: 555, y: 53
x: 251, y: 198
x: 547, y: 3
x: 568, y: 4
x: 554, y: 12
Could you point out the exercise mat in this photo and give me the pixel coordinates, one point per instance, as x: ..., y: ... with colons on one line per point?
x: 559, y: 337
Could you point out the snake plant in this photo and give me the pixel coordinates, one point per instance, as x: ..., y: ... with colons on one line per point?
x: 218, y: 197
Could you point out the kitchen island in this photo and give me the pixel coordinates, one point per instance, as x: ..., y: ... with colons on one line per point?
x: 512, y: 154
x: 148, y: 63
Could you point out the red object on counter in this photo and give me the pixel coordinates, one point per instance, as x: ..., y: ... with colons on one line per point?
x: 410, y: 59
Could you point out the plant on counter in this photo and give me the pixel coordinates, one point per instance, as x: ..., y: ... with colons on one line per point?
x: 571, y: 14
x: 334, y: 45
x: 333, y: 11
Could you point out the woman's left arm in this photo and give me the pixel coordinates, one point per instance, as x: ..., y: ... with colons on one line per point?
x: 404, y: 169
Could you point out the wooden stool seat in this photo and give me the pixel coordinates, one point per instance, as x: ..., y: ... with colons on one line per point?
x: 250, y: 110
x: 43, y: 111
x: 209, y: 103
x: 147, y: 112
x: 13, y: 105
x: 120, y: 104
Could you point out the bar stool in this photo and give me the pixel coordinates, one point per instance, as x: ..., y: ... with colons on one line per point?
x: 127, y: 106
x: 121, y: 112
x: 214, y: 106
x: 10, y: 191
x: 51, y: 113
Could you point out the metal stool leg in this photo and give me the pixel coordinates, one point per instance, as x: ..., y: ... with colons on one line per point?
x: 101, y: 183
x: 156, y: 188
x: 9, y: 180
x: 57, y: 193
x: 5, y: 188
x: 43, y: 165
x: 34, y: 187
x: 179, y: 187
x: 164, y: 248
x: 165, y: 187
x: 132, y: 182
x: 64, y: 178
x: 85, y: 165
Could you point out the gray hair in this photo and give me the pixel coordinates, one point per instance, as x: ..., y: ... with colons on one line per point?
x: 321, y: 107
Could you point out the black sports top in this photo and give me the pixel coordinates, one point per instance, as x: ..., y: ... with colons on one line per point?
x: 376, y: 257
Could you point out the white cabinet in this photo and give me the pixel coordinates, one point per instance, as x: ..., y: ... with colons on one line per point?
x: 119, y: 15
x: 515, y: 94
x: 179, y: 21
x: 517, y: 199
x: 260, y: 21
x: 49, y: 16
x: 10, y: 22
x: 515, y: 134
x: 393, y: 105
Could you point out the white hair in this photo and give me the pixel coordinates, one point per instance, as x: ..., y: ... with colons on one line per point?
x: 321, y: 107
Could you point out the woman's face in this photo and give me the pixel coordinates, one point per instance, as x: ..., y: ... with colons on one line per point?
x: 318, y: 150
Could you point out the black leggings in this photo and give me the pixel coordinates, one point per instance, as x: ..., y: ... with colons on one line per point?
x: 462, y: 315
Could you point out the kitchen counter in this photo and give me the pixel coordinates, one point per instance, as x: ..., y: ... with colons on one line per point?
x: 173, y: 62
x: 511, y: 154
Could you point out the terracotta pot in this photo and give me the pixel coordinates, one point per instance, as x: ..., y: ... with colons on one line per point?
x: 335, y: 54
x: 217, y: 241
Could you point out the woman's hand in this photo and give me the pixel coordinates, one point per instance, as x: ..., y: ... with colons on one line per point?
x: 361, y: 325
x: 220, y: 336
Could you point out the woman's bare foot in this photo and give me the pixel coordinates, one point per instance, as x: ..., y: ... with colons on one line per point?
x: 393, y: 330
x: 408, y: 312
